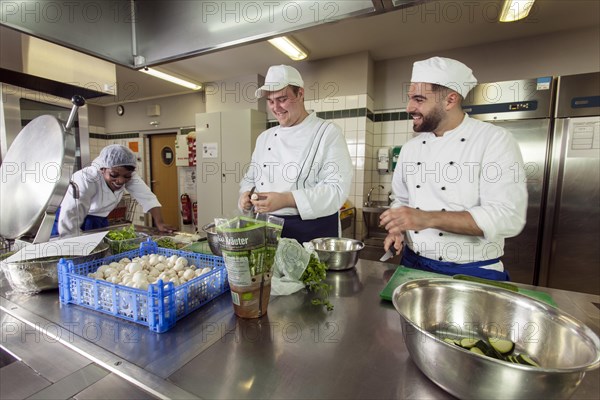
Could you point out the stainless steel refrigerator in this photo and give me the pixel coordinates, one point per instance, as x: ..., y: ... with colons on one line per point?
x: 556, y: 122
x: 571, y: 238
x: 525, y: 108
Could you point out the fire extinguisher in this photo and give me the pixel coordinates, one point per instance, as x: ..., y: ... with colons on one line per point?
x: 186, y: 209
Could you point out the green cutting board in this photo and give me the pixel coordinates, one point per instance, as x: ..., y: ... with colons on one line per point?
x: 403, y: 274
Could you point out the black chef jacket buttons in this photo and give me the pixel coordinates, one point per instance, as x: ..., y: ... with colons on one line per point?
x: 418, y: 186
x: 463, y: 139
x: 443, y: 187
x: 440, y: 258
x: 441, y: 234
x: 416, y: 232
x: 419, y: 163
x: 451, y: 163
x: 443, y: 209
x: 417, y: 208
x: 418, y: 253
x: 262, y: 184
x: 424, y: 142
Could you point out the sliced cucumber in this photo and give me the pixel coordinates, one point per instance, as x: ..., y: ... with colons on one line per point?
x: 503, y: 346
x: 488, y: 350
x: 500, y: 349
x: 526, y: 360
x: 468, y: 343
x: 477, y: 350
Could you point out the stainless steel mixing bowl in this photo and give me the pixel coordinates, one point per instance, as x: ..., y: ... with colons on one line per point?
x: 432, y: 309
x: 213, y: 239
x: 338, y: 253
x: 36, y: 275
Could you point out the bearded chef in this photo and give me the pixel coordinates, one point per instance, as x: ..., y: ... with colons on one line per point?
x: 459, y: 186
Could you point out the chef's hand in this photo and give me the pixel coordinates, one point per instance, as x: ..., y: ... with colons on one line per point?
x: 244, y: 202
x: 394, y: 241
x: 267, y: 202
x: 401, y: 219
x: 163, y: 227
x: 159, y: 222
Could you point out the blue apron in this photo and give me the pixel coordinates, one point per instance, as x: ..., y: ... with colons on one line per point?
x: 412, y: 260
x: 295, y: 227
x: 89, y: 222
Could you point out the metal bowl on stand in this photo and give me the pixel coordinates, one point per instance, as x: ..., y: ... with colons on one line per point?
x: 39, y: 274
x: 36, y: 172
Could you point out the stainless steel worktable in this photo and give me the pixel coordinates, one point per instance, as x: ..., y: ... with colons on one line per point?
x: 297, y: 351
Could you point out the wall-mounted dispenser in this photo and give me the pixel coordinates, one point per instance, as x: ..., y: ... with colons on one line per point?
x: 383, y: 160
x: 395, y: 154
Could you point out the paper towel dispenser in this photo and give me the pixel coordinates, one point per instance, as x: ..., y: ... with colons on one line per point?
x: 383, y: 160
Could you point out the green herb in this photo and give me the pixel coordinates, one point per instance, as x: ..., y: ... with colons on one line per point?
x: 167, y: 243
x: 313, y: 277
x: 120, y: 239
x: 122, y: 234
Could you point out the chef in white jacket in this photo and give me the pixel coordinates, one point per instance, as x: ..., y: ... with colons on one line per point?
x: 96, y: 190
x: 459, y: 186
x: 301, y: 169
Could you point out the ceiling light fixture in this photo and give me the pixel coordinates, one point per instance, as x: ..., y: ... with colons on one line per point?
x: 289, y: 47
x: 514, y: 10
x: 170, y: 78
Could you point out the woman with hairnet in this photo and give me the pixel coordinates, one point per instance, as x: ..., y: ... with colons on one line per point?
x: 97, y: 190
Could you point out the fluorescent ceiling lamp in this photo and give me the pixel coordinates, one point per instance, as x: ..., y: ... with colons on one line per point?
x: 289, y: 47
x: 172, y: 79
x: 514, y: 10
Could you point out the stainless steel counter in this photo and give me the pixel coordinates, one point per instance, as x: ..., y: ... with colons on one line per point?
x: 297, y: 351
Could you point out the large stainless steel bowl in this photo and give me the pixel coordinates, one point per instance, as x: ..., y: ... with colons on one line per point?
x: 337, y: 253
x: 431, y: 309
x: 213, y: 239
x: 36, y: 275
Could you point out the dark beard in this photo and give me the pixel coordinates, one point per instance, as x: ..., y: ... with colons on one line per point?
x: 429, y: 123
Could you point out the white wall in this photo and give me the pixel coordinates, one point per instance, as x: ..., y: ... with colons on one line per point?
x: 563, y: 53
x: 233, y: 94
x: 339, y: 76
x: 175, y: 112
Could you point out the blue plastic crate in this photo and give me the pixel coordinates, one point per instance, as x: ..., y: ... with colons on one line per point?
x: 160, y: 306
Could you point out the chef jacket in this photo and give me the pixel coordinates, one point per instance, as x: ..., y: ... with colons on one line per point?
x: 310, y: 160
x: 476, y: 167
x: 96, y: 198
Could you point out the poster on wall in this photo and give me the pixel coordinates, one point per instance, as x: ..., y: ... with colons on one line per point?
x: 210, y: 150
x: 188, y: 184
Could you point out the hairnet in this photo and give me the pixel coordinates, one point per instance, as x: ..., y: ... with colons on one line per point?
x: 115, y: 155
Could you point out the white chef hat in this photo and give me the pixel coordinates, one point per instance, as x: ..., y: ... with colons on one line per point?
x: 115, y: 155
x: 278, y: 77
x: 446, y: 72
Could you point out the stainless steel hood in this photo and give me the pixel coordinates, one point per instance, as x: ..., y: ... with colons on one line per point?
x: 137, y: 33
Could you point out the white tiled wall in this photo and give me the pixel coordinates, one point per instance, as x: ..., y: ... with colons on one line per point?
x: 364, y: 138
